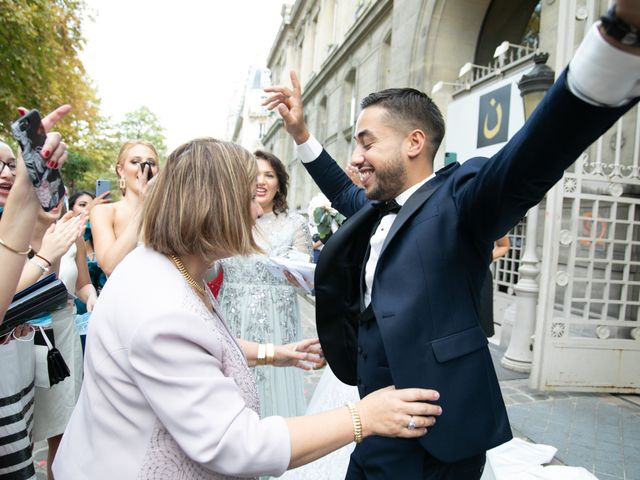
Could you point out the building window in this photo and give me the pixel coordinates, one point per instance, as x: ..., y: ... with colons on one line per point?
x: 321, y: 120
x: 385, y: 63
x: 349, y: 98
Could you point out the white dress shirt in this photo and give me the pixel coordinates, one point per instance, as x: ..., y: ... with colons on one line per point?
x: 599, y: 74
x: 380, y: 235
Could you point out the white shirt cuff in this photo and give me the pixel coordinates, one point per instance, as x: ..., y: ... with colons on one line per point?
x: 601, y: 74
x: 309, y: 150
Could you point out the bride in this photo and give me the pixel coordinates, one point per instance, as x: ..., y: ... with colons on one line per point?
x: 329, y: 393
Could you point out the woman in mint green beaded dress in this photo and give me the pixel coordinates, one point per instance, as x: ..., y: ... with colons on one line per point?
x: 260, y: 306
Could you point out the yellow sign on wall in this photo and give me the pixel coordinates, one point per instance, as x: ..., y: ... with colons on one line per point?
x: 493, y: 119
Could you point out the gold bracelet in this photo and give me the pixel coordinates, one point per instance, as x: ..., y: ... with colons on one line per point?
x: 43, y: 259
x: 18, y: 252
x: 357, y: 424
x: 261, y: 359
x: 270, y: 354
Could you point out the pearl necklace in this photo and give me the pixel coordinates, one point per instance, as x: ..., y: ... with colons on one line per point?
x: 187, y: 276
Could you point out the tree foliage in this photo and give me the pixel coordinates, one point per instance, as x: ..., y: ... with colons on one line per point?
x: 95, y: 155
x: 39, y: 45
x: 40, y: 42
x: 143, y: 124
x: 91, y: 158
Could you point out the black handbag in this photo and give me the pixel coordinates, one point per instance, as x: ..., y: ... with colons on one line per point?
x: 44, y: 296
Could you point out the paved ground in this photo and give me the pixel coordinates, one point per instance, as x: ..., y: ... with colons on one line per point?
x: 600, y: 432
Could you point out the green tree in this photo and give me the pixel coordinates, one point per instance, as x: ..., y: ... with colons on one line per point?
x: 143, y: 124
x: 39, y: 45
x: 92, y: 157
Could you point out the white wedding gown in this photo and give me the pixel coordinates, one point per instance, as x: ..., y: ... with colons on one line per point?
x: 330, y: 393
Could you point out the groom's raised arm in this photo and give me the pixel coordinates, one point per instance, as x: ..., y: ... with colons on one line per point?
x: 600, y: 84
x: 332, y: 180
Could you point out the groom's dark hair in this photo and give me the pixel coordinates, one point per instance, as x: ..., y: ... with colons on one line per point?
x: 407, y: 109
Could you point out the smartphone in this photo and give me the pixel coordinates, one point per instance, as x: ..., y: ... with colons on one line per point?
x: 149, y: 172
x: 102, y: 186
x: 30, y: 134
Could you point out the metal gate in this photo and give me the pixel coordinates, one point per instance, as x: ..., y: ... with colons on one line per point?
x: 588, y: 335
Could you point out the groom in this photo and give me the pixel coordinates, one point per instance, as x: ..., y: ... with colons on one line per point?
x: 398, y: 287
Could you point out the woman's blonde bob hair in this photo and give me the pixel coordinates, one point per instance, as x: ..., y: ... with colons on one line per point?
x: 200, y: 203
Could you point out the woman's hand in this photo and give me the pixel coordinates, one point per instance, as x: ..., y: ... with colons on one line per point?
x: 99, y: 200
x: 389, y: 412
x: 91, y: 301
x: 306, y: 354
x: 54, y: 151
x: 18, y: 332
x: 291, y: 279
x: 142, y: 182
x: 60, y: 236
x: 353, y: 173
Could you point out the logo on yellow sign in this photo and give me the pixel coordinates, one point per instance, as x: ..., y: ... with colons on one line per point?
x: 493, y: 119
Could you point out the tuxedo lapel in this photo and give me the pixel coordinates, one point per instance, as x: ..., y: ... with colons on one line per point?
x: 337, y: 291
x: 409, y: 208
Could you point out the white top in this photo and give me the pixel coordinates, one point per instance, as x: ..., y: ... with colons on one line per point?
x: 69, y: 269
x: 599, y: 74
x: 167, y: 392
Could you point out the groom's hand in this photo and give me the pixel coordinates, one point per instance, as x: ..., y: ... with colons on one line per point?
x: 288, y: 101
x: 629, y: 12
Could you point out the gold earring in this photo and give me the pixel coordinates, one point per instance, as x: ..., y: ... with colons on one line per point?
x: 122, y: 184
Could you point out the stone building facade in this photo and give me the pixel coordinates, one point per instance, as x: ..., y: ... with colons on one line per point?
x: 583, y: 276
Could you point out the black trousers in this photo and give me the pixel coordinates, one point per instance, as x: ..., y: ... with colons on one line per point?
x: 380, y: 458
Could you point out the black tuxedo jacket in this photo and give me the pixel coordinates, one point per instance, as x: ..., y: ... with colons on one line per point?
x: 427, y: 283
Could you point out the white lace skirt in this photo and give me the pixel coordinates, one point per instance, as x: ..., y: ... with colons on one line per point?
x: 330, y: 393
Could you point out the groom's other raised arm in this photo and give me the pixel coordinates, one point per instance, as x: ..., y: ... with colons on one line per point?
x: 601, y: 83
x: 607, y: 72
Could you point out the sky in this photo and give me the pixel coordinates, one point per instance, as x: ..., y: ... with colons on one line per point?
x: 186, y: 60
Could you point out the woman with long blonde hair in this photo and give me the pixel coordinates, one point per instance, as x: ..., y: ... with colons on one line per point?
x: 115, y: 226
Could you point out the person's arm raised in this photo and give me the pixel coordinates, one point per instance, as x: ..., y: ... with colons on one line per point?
x: 604, y: 71
x: 288, y: 101
x: 20, y: 211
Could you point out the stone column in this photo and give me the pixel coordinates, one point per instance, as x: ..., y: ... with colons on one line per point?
x: 519, y: 354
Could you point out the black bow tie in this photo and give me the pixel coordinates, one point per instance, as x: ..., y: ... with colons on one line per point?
x: 385, y: 208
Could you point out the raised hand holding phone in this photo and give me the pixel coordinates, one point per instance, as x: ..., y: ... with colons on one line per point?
x: 54, y: 149
x: 30, y: 131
